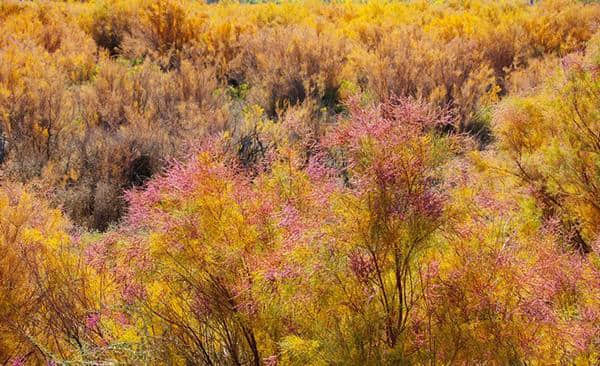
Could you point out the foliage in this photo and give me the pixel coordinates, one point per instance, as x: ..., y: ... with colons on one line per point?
x: 551, y: 142
x: 80, y: 81
x: 300, y: 183
x: 50, y: 309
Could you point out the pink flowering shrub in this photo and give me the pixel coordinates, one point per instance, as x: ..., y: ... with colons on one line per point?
x: 300, y: 183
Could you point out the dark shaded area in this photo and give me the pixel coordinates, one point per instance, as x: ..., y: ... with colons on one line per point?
x: 481, y: 132
x: 2, y: 148
x: 140, y: 171
x: 251, y: 150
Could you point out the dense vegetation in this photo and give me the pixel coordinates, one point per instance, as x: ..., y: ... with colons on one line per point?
x: 300, y: 183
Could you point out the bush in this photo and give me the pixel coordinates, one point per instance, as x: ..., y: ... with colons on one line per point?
x: 287, y: 66
x: 550, y: 140
x: 47, y: 294
x: 299, y: 183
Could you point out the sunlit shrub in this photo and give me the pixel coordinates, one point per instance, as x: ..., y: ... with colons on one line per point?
x: 286, y: 66
x: 46, y: 290
x: 561, y: 26
x: 497, y: 235
x: 550, y: 140
x: 527, y: 80
x: 171, y: 62
x: 453, y: 75
x: 299, y: 183
x: 110, y: 25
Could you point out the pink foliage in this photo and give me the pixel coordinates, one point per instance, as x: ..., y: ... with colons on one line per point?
x: 324, y: 178
x: 97, y: 253
x: 361, y: 265
x: 92, y: 321
x: 131, y: 288
x: 201, y: 305
x: 391, y: 123
x: 20, y: 361
x: 271, y: 361
x: 289, y: 219
x: 180, y: 181
x: 398, y: 163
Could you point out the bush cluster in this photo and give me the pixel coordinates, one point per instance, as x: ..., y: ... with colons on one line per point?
x: 98, y: 96
x: 302, y: 183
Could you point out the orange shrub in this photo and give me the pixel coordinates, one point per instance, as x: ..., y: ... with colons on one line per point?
x: 288, y: 65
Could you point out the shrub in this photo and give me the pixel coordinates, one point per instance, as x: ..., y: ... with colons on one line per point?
x: 299, y: 183
x: 453, y: 75
x: 550, y: 141
x: 46, y: 292
x: 286, y: 66
x: 111, y: 24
